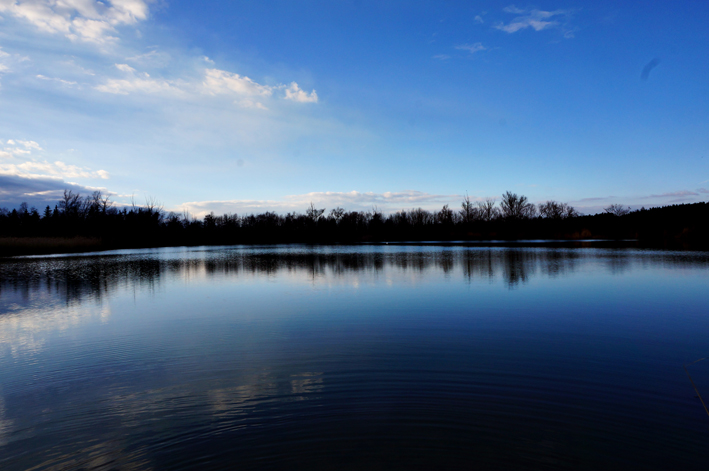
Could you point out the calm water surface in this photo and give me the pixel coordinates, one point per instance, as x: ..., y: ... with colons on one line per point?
x: 374, y: 357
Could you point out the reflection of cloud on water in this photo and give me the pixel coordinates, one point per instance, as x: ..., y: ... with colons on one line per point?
x: 5, y: 424
x: 26, y: 331
x: 306, y: 383
x: 257, y: 389
x: 237, y: 400
x: 109, y: 454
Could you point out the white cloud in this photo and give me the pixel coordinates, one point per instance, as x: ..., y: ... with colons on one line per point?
x: 154, y: 58
x: 352, y: 201
x: 471, y: 48
x: 442, y: 57
x: 29, y: 144
x: 136, y: 84
x: 141, y: 83
x: 221, y: 82
x: 82, y: 20
x: 44, y: 169
x: 250, y: 104
x: 125, y: 68
x: 245, y: 92
x: 55, y: 79
x: 293, y: 92
x: 3, y: 67
x: 479, y: 19
x: 23, y: 165
x: 19, y: 148
x: 535, y: 19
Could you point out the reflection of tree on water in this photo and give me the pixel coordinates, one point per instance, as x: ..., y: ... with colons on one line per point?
x: 75, y: 279
x: 618, y: 263
x: 518, y: 265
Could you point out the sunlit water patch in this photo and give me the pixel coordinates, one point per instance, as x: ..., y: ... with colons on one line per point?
x: 369, y: 357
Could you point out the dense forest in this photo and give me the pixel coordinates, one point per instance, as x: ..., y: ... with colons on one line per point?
x: 95, y: 222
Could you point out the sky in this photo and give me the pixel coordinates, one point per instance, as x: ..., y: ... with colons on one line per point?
x: 243, y: 107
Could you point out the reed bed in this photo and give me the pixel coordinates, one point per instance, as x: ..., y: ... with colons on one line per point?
x: 13, y: 246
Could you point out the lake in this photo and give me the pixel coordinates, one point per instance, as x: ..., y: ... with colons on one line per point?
x: 355, y: 357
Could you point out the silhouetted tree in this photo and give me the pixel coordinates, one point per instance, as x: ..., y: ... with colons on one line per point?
x: 314, y: 213
x: 444, y: 216
x: 337, y: 214
x: 70, y: 204
x: 468, y: 211
x: 487, y: 210
x: 516, y: 206
x: 617, y: 210
x: 556, y: 210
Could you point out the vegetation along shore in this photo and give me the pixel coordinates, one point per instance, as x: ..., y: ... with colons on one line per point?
x: 86, y: 223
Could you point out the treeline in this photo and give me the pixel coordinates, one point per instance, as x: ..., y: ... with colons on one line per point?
x: 96, y: 217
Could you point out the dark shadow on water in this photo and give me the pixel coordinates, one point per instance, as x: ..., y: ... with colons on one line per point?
x: 77, y: 279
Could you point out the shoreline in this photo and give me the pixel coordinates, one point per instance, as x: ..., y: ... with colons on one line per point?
x: 11, y: 247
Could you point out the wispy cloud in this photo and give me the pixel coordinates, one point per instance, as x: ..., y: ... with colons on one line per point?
x: 538, y: 20
x: 479, y: 19
x: 135, y: 82
x: 673, y: 194
x: 596, y: 204
x: 79, y: 20
x: 471, y: 48
x: 353, y: 200
x: 442, y: 57
x: 55, y: 79
x: 18, y: 160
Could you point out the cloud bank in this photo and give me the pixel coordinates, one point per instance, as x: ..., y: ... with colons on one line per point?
x: 79, y: 20
x: 37, y: 181
x: 352, y: 201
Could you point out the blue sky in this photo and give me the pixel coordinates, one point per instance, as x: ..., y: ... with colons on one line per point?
x: 253, y: 106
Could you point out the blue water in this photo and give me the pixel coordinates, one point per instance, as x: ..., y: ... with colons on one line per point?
x: 354, y: 357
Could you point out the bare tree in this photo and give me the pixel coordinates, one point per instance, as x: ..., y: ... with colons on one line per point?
x: 97, y: 203
x: 487, y: 210
x: 337, y: 214
x: 313, y: 213
x: 376, y: 215
x: 516, y: 206
x: 468, y: 211
x: 105, y: 203
x: 71, y: 203
x: 617, y: 209
x: 556, y: 210
x: 420, y: 217
x: 445, y: 215
x: 154, y: 208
